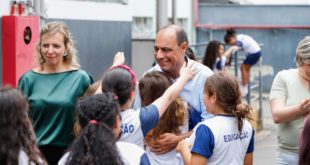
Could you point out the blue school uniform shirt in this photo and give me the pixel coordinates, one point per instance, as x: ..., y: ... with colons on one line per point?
x: 136, y: 123
x: 219, y: 140
x: 219, y: 64
x: 192, y: 92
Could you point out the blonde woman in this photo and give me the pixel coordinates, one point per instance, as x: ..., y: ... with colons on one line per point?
x: 52, y: 89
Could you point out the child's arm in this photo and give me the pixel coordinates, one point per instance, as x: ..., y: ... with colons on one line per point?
x: 184, y: 149
x: 230, y: 51
x: 198, y: 159
x: 119, y: 59
x: 167, y: 142
x: 190, y: 158
x: 162, y: 103
x: 248, y: 160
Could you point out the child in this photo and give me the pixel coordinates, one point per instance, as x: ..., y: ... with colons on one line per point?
x: 98, y: 127
x: 18, y: 142
x: 304, y: 146
x: 136, y: 123
x: 227, y: 138
x: 215, y: 55
x: 174, y: 120
x: 253, y: 53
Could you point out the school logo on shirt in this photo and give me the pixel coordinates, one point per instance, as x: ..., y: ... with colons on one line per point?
x: 236, y: 136
x: 127, y: 128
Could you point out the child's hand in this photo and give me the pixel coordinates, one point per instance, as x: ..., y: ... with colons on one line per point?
x: 119, y: 59
x: 183, y: 146
x: 305, y: 107
x: 188, y: 71
x: 234, y: 49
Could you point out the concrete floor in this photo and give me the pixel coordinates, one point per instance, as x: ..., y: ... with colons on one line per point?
x: 266, y: 140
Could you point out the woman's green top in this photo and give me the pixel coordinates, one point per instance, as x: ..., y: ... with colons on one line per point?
x: 52, y: 98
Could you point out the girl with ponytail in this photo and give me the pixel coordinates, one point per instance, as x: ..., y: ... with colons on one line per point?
x: 136, y: 123
x: 98, y: 128
x: 228, y: 138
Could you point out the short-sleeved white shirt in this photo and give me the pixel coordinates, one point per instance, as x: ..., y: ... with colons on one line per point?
x: 130, y: 154
x: 247, y: 44
x: 136, y: 123
x: 217, y: 138
x: 169, y: 158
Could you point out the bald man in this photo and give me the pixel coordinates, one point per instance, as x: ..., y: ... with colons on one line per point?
x: 170, y: 46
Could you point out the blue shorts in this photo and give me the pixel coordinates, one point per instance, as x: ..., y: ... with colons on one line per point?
x: 252, y: 59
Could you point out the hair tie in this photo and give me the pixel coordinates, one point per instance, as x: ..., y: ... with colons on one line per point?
x: 132, y: 73
x: 93, y: 122
x: 116, y: 97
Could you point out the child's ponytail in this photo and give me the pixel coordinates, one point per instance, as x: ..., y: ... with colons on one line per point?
x: 242, y: 111
x: 96, y: 143
x: 228, y: 96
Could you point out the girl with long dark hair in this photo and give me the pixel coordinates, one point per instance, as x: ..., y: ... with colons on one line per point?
x: 98, y: 128
x: 215, y: 55
x: 18, y: 142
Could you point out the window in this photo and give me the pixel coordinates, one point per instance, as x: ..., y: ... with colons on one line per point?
x: 182, y: 22
x: 142, y: 27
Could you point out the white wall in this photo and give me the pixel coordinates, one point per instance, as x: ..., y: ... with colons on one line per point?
x: 70, y: 9
x: 147, y: 8
x: 66, y: 9
x: 183, y: 8
x: 4, y: 7
x: 143, y: 8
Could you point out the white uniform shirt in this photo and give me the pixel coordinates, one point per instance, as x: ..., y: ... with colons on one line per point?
x: 130, y: 154
x: 247, y: 44
x: 23, y: 159
x: 219, y: 140
x: 169, y: 158
x: 137, y: 123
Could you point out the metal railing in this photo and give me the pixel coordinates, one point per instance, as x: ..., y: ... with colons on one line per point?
x: 253, y: 85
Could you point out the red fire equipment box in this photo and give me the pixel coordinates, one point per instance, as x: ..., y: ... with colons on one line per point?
x: 19, y: 38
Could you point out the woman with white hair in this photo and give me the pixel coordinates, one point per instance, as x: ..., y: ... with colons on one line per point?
x: 290, y: 103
